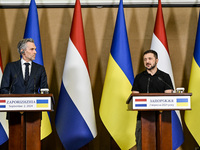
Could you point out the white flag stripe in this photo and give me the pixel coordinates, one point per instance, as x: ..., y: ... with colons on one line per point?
x: 179, y: 116
x: 1, y: 75
x: 163, y: 57
x: 4, y: 122
x: 77, y: 83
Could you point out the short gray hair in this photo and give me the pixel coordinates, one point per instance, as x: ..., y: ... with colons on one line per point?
x: 22, y: 44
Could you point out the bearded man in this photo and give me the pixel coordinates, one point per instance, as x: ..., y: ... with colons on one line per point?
x: 152, y: 80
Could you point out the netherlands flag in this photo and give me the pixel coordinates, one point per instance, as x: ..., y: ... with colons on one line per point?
x: 75, y: 119
x: 2, y: 103
x: 4, y: 132
x: 159, y: 44
x: 140, y: 102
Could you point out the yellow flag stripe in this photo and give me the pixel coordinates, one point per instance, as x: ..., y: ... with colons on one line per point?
x: 45, y: 125
x: 182, y: 104
x: 42, y: 105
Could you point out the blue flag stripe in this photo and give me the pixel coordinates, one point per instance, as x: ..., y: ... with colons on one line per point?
x: 32, y: 30
x: 182, y: 100
x: 120, y: 42
x: 3, y: 135
x: 140, y: 105
x: 42, y: 101
x: 177, y: 132
x: 197, y: 46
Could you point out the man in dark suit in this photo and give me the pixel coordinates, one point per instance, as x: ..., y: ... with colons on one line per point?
x: 24, y: 76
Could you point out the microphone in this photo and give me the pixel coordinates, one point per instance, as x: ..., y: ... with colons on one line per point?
x: 13, y: 81
x: 34, y: 86
x: 129, y: 99
x: 159, y: 78
x: 148, y: 85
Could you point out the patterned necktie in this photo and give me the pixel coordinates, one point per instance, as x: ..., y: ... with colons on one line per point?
x: 26, y: 73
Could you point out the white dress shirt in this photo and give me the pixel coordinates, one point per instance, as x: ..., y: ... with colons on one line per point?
x: 24, y: 66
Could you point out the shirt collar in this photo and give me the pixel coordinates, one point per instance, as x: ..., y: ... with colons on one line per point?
x: 157, y: 72
x: 23, y: 61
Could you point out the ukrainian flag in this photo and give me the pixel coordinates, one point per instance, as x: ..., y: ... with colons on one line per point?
x: 191, y: 119
x: 117, y: 87
x: 32, y: 30
x: 182, y: 102
x: 42, y: 103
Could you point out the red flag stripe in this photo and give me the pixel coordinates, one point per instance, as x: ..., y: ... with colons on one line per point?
x: 2, y: 101
x: 1, y: 65
x: 77, y: 33
x: 159, y: 29
x: 140, y: 100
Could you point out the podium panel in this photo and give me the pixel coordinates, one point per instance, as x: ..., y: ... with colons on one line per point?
x: 24, y: 112
x: 159, y: 101
x: 26, y: 102
x: 156, y: 116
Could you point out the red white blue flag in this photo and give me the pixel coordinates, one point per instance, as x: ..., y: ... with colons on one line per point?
x: 75, y: 119
x: 3, y: 121
x: 159, y: 44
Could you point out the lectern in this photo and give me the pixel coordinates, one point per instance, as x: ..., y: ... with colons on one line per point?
x: 24, y: 112
x: 156, y: 116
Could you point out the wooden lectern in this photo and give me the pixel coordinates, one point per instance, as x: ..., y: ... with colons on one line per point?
x: 24, y: 115
x: 156, y: 116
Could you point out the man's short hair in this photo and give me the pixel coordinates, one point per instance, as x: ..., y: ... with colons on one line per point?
x: 151, y: 51
x: 22, y: 44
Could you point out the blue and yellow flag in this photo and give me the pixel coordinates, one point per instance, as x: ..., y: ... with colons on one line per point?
x: 32, y: 30
x: 117, y: 87
x: 191, y: 119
